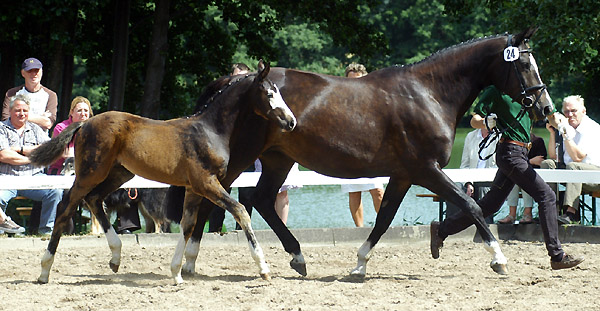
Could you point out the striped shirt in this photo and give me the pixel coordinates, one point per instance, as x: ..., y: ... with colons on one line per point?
x: 9, y: 137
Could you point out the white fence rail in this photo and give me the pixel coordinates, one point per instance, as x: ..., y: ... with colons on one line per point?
x: 299, y: 178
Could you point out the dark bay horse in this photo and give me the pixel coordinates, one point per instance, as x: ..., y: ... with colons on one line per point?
x: 192, y: 152
x: 398, y: 122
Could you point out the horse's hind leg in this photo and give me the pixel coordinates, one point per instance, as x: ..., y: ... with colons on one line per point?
x: 71, y: 200
x: 441, y: 184
x: 394, y: 194
x: 117, y: 176
x: 193, y: 244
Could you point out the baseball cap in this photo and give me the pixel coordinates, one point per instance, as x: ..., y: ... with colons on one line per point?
x: 31, y: 63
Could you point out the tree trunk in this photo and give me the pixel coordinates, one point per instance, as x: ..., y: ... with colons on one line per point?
x: 67, y: 88
x: 157, y: 54
x: 7, y: 67
x: 118, y: 74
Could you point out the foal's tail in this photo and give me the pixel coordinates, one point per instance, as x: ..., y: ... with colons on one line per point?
x: 52, y: 150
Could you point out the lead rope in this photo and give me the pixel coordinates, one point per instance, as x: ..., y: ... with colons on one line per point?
x: 495, y: 133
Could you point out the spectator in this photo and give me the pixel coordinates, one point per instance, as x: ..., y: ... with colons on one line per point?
x: 18, y: 137
x: 43, y: 101
x: 536, y: 155
x: 81, y: 110
x: 580, y: 150
x: 355, y: 70
x: 239, y: 69
x: 471, y: 159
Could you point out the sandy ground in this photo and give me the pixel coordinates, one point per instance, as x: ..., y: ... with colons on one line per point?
x: 399, y: 277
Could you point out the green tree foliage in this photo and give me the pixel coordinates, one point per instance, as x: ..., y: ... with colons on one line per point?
x: 566, y: 45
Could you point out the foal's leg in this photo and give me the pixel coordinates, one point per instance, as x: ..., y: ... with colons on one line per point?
x: 441, y: 184
x: 70, y: 201
x: 187, y: 224
x: 218, y: 195
x: 193, y: 244
x: 393, y: 196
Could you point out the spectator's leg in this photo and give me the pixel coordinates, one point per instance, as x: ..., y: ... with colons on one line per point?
x: 50, y: 199
x: 282, y: 205
x: 377, y: 195
x: 128, y: 220
x: 356, y: 208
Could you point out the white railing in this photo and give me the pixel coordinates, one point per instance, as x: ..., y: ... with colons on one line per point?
x: 300, y: 178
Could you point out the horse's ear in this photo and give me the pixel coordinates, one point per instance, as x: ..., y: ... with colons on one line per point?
x: 525, y: 34
x: 263, y: 69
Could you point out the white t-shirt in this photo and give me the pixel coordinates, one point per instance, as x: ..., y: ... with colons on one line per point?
x: 37, y: 101
x: 587, y: 141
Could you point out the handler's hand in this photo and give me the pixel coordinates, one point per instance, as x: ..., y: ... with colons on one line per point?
x: 490, y: 121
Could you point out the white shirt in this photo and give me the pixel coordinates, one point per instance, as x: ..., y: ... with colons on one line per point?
x: 470, y: 155
x: 586, y: 139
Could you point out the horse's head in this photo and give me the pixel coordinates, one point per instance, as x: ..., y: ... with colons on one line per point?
x: 524, y: 83
x: 272, y: 106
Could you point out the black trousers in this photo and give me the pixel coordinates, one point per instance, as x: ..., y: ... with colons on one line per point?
x: 514, y: 168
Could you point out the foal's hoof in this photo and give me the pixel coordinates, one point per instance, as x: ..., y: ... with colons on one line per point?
x: 114, y: 267
x: 41, y: 280
x: 500, y: 268
x: 299, y: 267
x: 265, y: 276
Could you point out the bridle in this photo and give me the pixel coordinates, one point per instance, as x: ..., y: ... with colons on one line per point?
x: 526, y: 92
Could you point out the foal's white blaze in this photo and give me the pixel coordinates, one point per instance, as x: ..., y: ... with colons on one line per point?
x: 364, y: 253
x: 494, y: 249
x: 114, y: 243
x: 191, y: 253
x: 177, y: 259
x: 276, y: 101
x: 545, y: 94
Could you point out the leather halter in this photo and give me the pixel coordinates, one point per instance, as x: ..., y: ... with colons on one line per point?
x: 526, y: 92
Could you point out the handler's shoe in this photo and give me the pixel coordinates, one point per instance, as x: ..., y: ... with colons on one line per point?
x: 568, y: 261
x: 436, y: 242
x: 9, y: 226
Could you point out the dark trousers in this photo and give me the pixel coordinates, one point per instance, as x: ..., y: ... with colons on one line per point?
x: 217, y: 216
x: 128, y: 219
x: 514, y: 168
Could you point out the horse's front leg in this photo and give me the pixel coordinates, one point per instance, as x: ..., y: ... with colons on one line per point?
x: 471, y: 214
x: 60, y: 225
x: 217, y: 194
x: 394, y: 194
x: 188, y: 222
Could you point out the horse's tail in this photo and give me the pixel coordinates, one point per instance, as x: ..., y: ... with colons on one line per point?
x: 52, y: 150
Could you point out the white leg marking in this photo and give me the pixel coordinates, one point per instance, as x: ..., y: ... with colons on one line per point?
x: 257, y: 252
x: 114, y: 243
x: 364, y: 253
x: 494, y: 249
x: 177, y: 259
x: 191, y: 254
x: 47, y: 261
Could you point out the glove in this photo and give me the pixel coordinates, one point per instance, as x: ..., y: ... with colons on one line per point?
x: 567, y: 131
x: 490, y: 121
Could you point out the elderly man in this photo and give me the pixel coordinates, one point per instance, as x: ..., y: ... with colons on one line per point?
x: 580, y: 149
x: 18, y: 137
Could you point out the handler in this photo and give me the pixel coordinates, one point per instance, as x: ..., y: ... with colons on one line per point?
x: 495, y: 108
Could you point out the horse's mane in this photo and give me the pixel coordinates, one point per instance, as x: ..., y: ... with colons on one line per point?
x: 451, y: 48
x: 214, y: 89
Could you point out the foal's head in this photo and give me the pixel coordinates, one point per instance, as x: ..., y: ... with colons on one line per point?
x: 523, y: 82
x: 270, y: 104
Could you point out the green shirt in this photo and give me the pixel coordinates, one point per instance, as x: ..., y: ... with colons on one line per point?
x: 492, y: 100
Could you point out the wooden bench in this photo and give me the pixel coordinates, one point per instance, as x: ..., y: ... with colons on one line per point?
x: 435, y: 198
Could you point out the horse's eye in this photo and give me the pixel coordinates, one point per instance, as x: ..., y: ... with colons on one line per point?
x: 270, y: 94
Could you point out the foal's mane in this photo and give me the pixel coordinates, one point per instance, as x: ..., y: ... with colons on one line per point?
x: 214, y: 89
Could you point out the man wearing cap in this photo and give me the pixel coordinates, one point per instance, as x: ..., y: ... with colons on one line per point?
x: 43, y: 101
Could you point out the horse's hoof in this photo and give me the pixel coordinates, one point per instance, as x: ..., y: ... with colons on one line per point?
x: 265, y: 276
x: 299, y: 267
x: 500, y: 268
x: 114, y: 267
x: 42, y: 281
x: 358, y: 272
